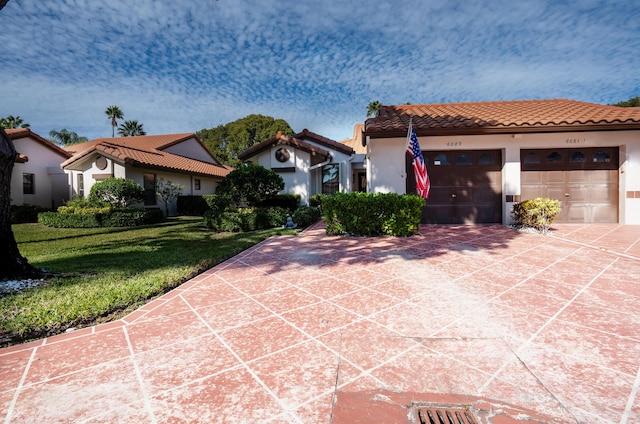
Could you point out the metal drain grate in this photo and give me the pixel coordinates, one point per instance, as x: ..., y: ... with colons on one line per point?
x: 439, y: 414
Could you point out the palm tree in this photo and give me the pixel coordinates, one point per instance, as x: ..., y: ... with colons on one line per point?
x: 373, y: 108
x: 64, y: 137
x: 131, y: 128
x: 13, y: 122
x: 113, y: 113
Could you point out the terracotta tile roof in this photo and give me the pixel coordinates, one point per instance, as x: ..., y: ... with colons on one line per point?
x: 327, y: 142
x: 146, y: 152
x: 503, y: 116
x: 281, y: 139
x: 17, y: 133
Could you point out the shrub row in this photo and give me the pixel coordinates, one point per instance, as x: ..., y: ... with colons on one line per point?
x: 290, y: 202
x: 192, y: 205
x: 306, y: 215
x: 126, y: 217
x: 245, y: 219
x: 366, y: 214
x: 21, y: 214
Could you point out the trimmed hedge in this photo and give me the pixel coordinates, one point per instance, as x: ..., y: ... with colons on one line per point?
x: 245, y: 219
x: 192, y: 205
x: 128, y: 217
x: 291, y: 202
x: 306, y: 215
x: 21, y: 214
x: 537, y: 213
x: 367, y: 214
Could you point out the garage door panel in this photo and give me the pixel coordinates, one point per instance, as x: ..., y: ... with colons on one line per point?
x: 605, y: 213
x: 576, y: 213
x: 553, y: 177
x: 602, y: 194
x: 468, y: 189
x: 588, y: 191
x: 578, y: 193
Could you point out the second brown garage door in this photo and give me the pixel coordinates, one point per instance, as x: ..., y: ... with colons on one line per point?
x: 584, y: 180
x: 466, y: 186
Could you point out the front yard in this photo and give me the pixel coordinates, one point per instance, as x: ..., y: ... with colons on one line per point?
x: 105, y: 273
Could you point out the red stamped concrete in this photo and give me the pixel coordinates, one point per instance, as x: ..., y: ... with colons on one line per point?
x: 517, y: 327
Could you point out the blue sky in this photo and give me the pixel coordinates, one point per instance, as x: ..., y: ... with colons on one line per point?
x: 180, y: 66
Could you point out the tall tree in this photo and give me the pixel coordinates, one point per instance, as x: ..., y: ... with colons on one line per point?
x: 114, y: 113
x: 12, y: 263
x: 632, y: 102
x: 13, y: 122
x: 226, y: 141
x: 64, y: 137
x: 373, y: 108
x: 131, y: 128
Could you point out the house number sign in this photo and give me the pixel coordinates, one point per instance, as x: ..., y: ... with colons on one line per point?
x: 454, y: 143
x: 575, y: 141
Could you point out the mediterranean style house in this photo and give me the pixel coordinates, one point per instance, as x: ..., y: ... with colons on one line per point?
x: 36, y: 178
x: 483, y: 157
x: 310, y: 163
x: 179, y: 158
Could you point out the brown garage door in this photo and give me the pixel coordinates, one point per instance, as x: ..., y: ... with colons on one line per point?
x: 584, y: 180
x: 466, y: 186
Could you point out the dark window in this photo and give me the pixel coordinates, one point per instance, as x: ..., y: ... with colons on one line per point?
x: 554, y: 157
x: 577, y: 157
x: 28, y: 184
x: 80, y: 185
x: 196, y: 184
x: 532, y: 158
x: 441, y: 159
x: 150, y: 189
x: 331, y: 178
x: 464, y: 159
x: 486, y: 159
x: 602, y: 157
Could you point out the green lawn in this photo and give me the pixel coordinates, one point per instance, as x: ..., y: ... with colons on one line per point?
x: 109, y: 272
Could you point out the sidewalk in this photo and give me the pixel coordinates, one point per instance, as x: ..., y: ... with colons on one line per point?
x: 317, y: 329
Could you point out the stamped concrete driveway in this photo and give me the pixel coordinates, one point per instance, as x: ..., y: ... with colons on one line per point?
x: 485, y: 322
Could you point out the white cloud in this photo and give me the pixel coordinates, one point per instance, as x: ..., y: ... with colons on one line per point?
x: 183, y: 66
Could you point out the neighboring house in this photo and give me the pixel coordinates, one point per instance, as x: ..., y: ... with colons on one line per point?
x: 179, y: 158
x: 37, y: 178
x: 310, y: 163
x: 483, y: 157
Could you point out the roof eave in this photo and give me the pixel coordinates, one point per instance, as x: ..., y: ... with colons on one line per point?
x: 502, y: 130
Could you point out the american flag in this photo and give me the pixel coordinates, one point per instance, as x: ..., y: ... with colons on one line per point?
x: 423, y: 185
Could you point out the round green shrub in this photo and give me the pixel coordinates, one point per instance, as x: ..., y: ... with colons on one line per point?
x: 306, y: 215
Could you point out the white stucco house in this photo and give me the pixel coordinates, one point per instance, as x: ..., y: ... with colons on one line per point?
x: 179, y: 158
x: 310, y: 163
x: 37, y: 178
x: 482, y: 157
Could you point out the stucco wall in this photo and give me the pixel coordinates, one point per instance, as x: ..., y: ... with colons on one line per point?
x: 386, y: 165
x: 190, y: 148
x: 51, y: 188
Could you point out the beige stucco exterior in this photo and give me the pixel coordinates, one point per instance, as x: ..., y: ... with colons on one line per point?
x: 386, y: 160
x: 50, y: 182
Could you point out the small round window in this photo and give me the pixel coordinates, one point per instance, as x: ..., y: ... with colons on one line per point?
x: 441, y: 159
x: 487, y: 159
x: 101, y: 163
x: 282, y: 154
x: 577, y: 157
x: 554, y: 157
x: 602, y: 157
x: 463, y: 159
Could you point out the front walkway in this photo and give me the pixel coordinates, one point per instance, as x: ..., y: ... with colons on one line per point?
x: 317, y: 329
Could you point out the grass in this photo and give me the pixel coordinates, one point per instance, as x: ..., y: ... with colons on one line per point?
x: 105, y: 273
